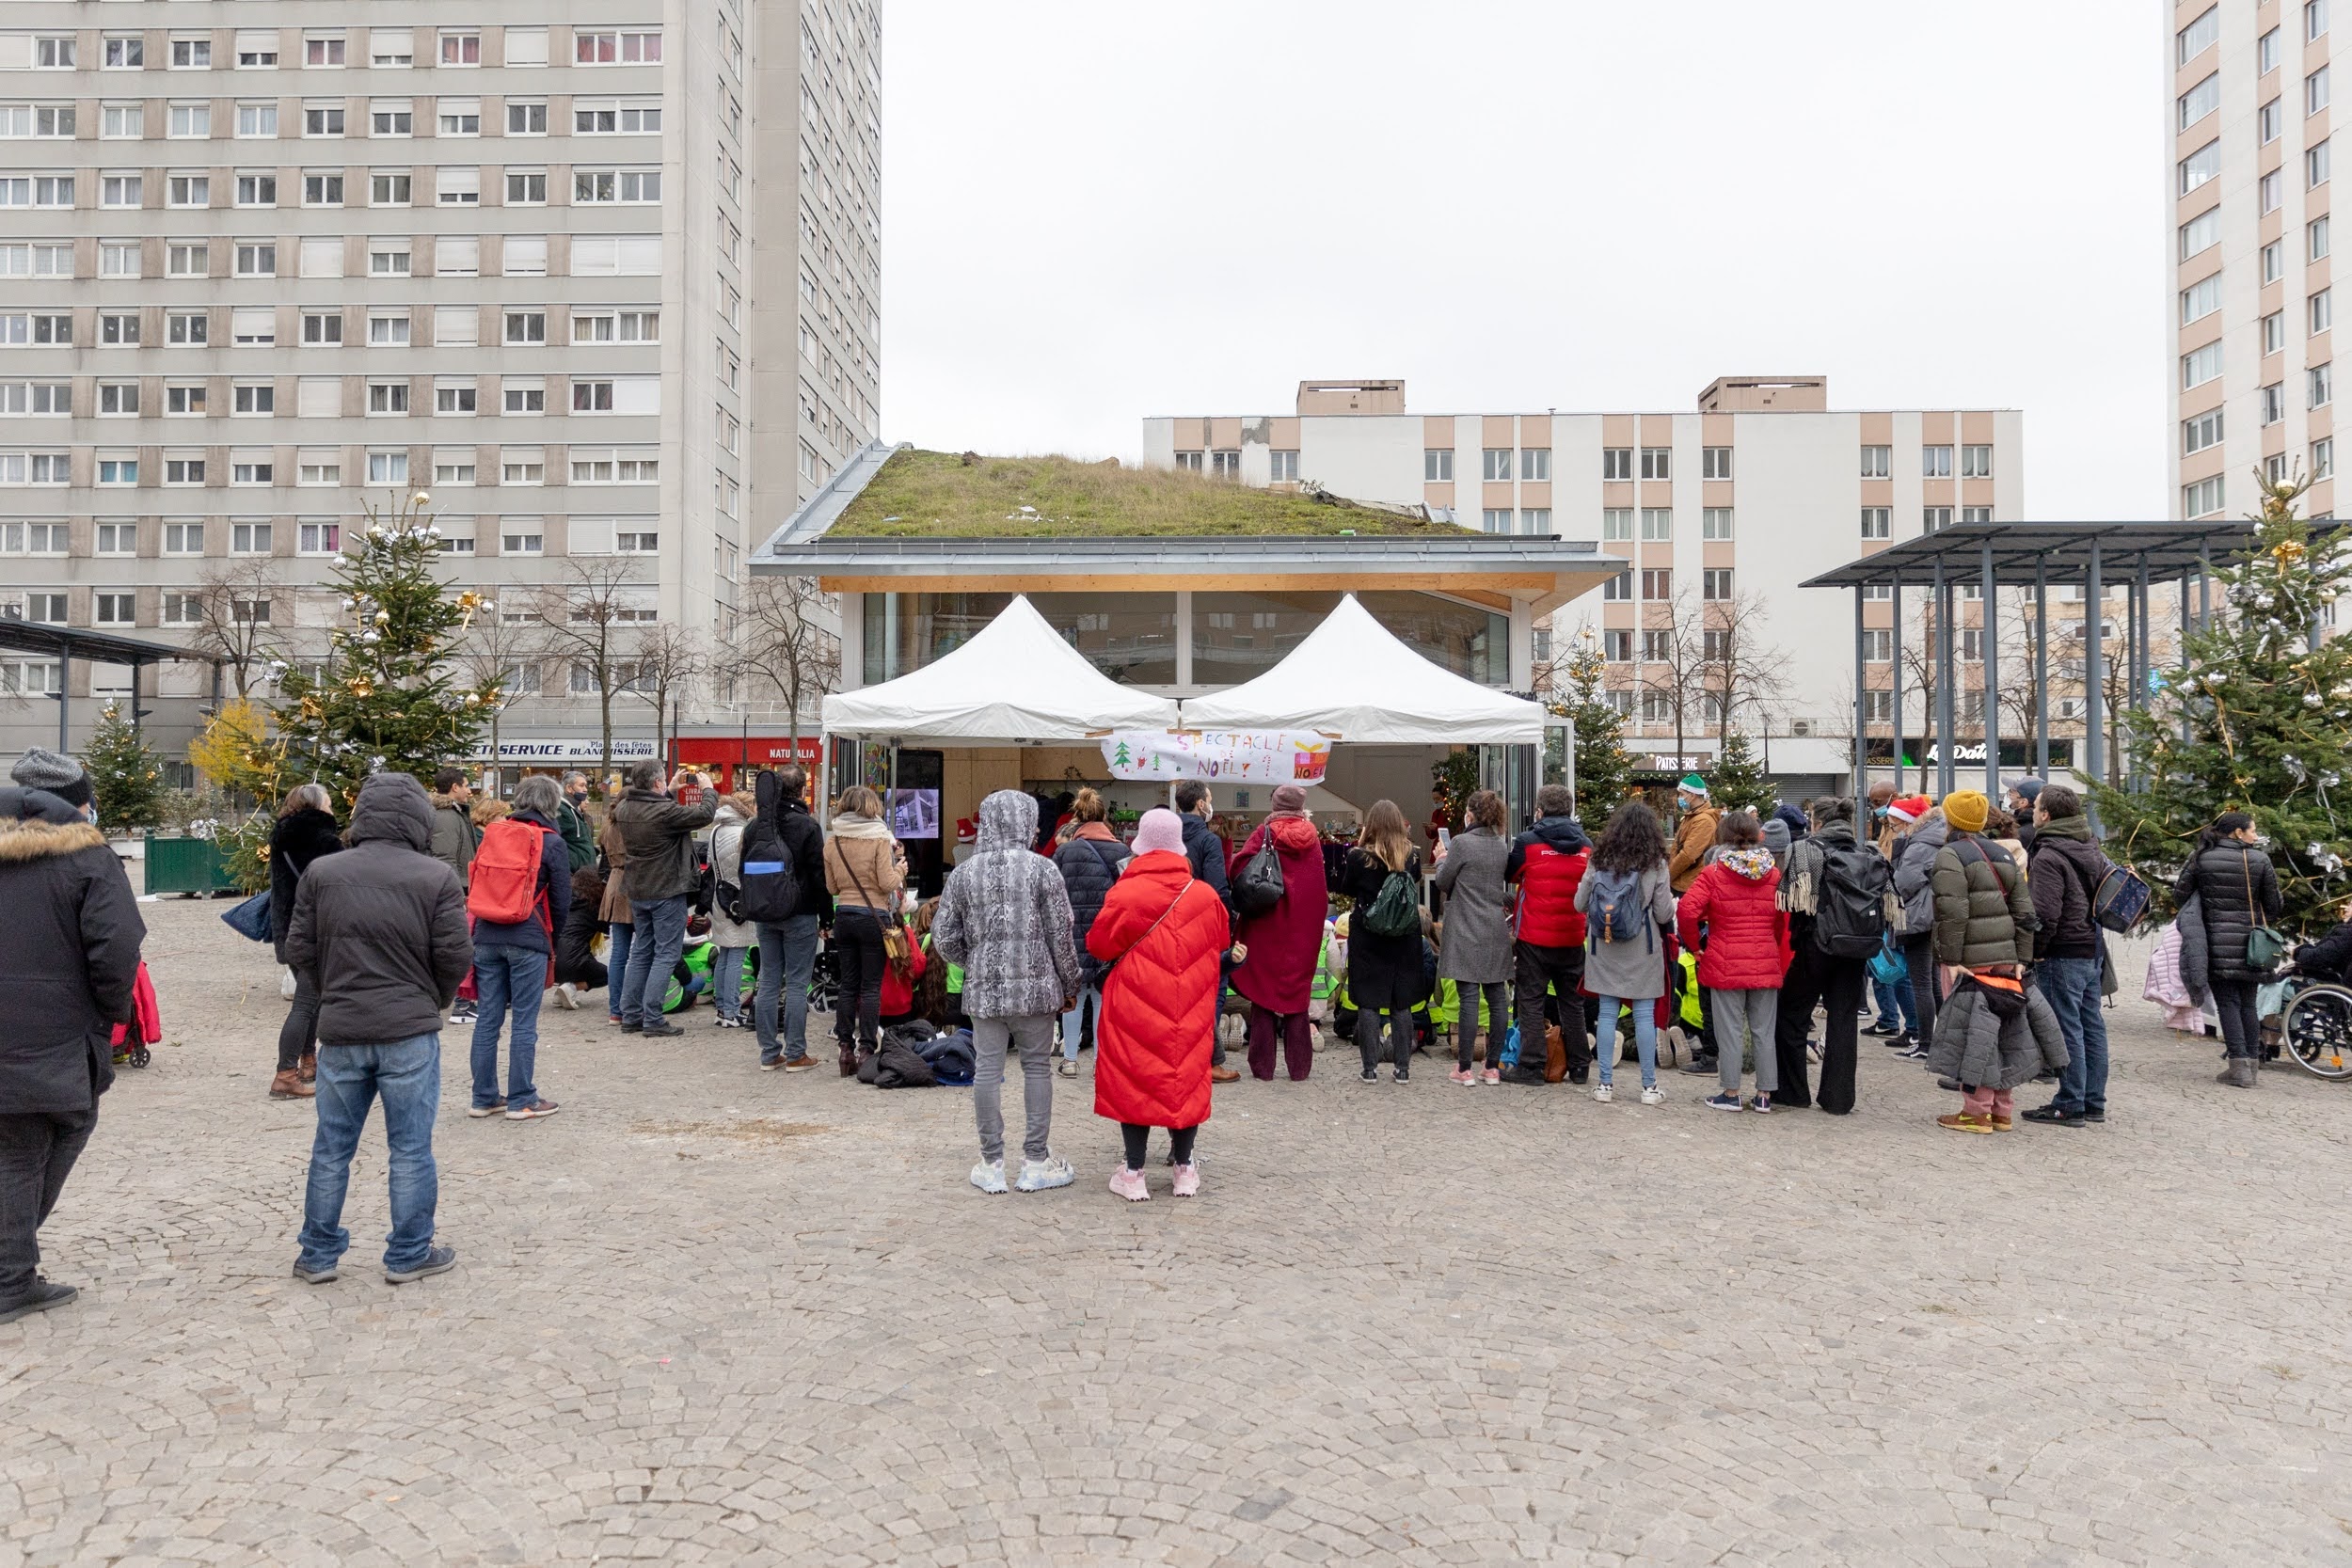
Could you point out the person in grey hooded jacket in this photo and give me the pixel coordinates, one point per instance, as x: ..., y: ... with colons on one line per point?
x: 1004, y: 916
x: 1915, y: 865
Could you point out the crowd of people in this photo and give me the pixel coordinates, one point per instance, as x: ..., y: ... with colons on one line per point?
x: 1975, y: 929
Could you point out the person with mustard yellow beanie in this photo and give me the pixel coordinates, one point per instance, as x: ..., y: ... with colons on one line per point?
x: 1984, y: 926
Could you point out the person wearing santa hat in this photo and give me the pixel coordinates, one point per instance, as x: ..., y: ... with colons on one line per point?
x: 1922, y: 831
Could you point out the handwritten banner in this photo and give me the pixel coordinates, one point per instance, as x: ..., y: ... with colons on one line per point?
x: 1251, y: 756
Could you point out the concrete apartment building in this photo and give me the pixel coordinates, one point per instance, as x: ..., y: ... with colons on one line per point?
x: 2252, y: 303
x: 1733, y: 503
x: 602, y: 278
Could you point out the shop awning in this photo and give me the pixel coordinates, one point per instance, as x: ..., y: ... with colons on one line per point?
x: 1351, y: 678
x: 1015, y: 680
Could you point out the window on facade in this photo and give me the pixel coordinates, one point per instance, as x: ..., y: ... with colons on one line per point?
x: 1715, y: 583
x: 1282, y: 466
x: 1715, y: 523
x: 2202, y: 498
x: 1657, y: 582
x: 1617, y: 463
x: 1936, y: 462
x: 1976, y: 462
x: 2200, y: 232
x: 1715, y: 461
x: 1618, y: 587
x: 2320, y: 309
x: 1658, y: 524
x: 2202, y: 431
x: 1495, y: 463
x: 2199, y: 36
x: 2316, y: 162
x: 1658, y: 462
x: 2274, y: 403
x: 2321, y: 386
x: 2315, y: 91
x: 1616, y: 524
x: 1932, y: 518
x: 1496, y: 519
x: 2269, y: 122
x: 2199, y: 167
x: 1876, y: 462
x: 1535, y: 463
x: 2199, y: 101
x: 2200, y: 365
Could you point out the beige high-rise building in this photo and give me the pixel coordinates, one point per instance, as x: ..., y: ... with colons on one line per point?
x: 602, y: 280
x: 2252, y: 299
x: 1720, y: 513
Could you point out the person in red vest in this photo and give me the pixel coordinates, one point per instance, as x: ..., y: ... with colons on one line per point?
x: 1281, y: 946
x: 1546, y: 863
x: 1163, y: 931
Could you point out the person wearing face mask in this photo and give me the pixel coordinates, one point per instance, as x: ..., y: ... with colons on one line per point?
x: 2236, y: 892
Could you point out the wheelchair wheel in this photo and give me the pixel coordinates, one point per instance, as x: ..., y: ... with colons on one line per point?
x: 2316, y: 1031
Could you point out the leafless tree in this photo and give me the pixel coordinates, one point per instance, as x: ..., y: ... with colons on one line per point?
x: 786, y: 632
x: 591, y: 620
x: 667, y: 662
x: 234, y: 605
x: 1671, y: 660
x: 1739, y: 662
x: 501, y: 652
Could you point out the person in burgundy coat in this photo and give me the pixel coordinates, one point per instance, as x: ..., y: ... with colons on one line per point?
x: 1162, y: 932
x: 1281, y: 947
x: 1746, y: 953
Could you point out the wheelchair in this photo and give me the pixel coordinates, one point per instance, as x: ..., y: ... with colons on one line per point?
x: 2316, y: 1026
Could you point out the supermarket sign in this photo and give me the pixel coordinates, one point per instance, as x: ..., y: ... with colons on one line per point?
x: 527, y: 751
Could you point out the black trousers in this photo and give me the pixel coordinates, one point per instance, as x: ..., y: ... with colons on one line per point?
x: 1560, y: 970
x: 1835, y: 984
x: 858, y: 959
x: 37, y: 1153
x: 1138, y: 1140
x: 300, y: 1032
x: 1919, y: 954
x: 2241, y: 1019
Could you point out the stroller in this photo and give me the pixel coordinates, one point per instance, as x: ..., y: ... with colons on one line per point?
x: 824, y: 974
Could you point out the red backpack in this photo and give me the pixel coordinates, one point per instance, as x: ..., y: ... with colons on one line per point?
x: 504, y: 885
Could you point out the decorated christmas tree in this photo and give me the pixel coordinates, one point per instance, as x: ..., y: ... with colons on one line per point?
x: 1604, y: 769
x: 1737, y: 782
x: 387, y: 697
x: 125, y: 776
x: 2253, y: 719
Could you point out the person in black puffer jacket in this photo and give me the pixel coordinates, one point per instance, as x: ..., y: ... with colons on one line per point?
x: 66, y: 978
x: 2237, y: 890
x: 305, y: 830
x: 1089, y: 864
x: 2066, y: 866
x: 576, y: 961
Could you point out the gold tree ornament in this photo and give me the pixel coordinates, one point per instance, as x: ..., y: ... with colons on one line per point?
x: 2286, y: 552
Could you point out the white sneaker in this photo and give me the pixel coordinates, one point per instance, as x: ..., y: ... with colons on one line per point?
x: 567, y: 996
x: 1653, y: 1096
x: 1602, y: 1093
x: 989, y: 1176
x: 1037, y: 1176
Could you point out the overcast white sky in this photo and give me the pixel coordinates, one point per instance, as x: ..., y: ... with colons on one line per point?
x: 1093, y: 212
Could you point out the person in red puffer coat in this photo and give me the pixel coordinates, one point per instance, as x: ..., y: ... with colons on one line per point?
x: 1281, y: 947
x: 1745, y: 953
x: 1163, y: 931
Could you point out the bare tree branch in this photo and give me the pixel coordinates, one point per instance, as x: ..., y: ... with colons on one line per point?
x: 592, y: 622
x: 669, y: 660
x: 235, y: 605
x: 786, y: 633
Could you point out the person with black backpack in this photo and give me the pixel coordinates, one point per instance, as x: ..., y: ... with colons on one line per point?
x: 1835, y: 891
x: 783, y: 894
x: 1626, y: 899
x: 1385, y: 973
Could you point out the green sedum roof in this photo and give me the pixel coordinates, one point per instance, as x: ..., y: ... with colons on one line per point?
x: 933, y: 495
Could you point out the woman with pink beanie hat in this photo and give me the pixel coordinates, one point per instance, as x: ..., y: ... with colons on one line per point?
x: 1162, y: 931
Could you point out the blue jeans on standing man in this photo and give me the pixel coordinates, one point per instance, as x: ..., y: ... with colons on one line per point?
x: 1073, y: 1022
x: 507, y: 979
x: 2071, y: 986
x: 408, y: 1075
x: 787, y: 952
x: 616, y: 944
x: 653, y: 951
x: 1894, y: 1005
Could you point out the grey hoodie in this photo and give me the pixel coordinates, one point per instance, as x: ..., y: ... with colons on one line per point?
x: 380, y: 929
x: 1004, y: 916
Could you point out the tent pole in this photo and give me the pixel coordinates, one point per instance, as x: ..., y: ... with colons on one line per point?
x: 1861, y: 709
x: 2093, y: 697
x: 1989, y: 631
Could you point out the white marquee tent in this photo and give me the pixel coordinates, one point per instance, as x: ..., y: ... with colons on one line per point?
x: 1015, y: 680
x: 1353, y: 679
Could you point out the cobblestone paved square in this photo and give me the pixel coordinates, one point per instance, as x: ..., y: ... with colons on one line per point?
x: 712, y: 1315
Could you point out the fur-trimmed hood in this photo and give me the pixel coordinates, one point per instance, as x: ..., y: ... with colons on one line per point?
x: 35, y: 824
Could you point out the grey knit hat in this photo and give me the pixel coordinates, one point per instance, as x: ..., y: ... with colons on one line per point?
x: 42, y: 769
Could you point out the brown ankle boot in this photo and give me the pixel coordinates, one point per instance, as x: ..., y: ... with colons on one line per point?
x: 310, y: 1068
x: 849, y: 1061
x: 289, y: 1086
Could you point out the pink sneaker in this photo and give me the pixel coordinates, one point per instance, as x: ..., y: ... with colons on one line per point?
x: 1187, y: 1180
x: 1463, y: 1075
x: 1494, y: 1075
x: 1129, y: 1185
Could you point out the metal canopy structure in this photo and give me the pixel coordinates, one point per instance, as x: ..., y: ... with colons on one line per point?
x: 1992, y: 556
x: 65, y: 646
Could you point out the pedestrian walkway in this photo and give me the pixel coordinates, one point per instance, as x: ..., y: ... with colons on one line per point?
x: 712, y: 1315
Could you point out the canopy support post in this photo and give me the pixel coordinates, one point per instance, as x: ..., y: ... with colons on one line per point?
x: 1946, y: 669
x: 1991, y: 634
x: 1861, y: 709
x: 2041, y: 670
x: 2094, y: 744
x: 1895, y: 663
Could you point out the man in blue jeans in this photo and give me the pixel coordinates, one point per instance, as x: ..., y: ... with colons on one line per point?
x: 657, y: 830
x: 787, y: 948
x: 2064, y: 877
x: 381, y: 939
x: 511, y: 959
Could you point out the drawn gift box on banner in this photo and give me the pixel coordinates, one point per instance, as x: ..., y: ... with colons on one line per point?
x: 1309, y: 762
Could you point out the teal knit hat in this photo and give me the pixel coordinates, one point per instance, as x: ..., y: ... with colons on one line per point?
x: 1692, y: 785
